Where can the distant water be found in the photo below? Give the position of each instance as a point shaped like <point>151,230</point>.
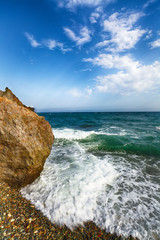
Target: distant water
<point>103,167</point>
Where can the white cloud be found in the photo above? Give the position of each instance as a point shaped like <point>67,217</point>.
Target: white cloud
<point>149,34</point>
<point>148,3</point>
<point>86,69</point>
<point>51,44</point>
<point>75,93</point>
<point>122,34</point>
<point>131,76</point>
<point>75,3</point>
<point>113,61</point>
<point>32,40</point>
<point>84,36</point>
<point>89,91</point>
<point>63,49</point>
<point>71,34</point>
<point>94,16</point>
<point>155,44</point>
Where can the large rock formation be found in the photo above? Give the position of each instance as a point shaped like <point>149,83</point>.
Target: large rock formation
<point>25,142</point>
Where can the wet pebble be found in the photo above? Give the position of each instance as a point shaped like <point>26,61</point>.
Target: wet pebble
<point>20,220</point>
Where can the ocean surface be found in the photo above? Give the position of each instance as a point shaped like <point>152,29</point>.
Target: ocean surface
<point>103,167</point>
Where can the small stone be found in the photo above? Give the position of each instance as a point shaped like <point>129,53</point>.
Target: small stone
<point>30,220</point>
<point>9,215</point>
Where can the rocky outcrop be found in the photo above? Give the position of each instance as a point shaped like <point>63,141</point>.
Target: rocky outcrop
<point>25,142</point>
<point>9,95</point>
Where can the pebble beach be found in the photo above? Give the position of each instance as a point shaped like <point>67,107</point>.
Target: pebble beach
<point>20,220</point>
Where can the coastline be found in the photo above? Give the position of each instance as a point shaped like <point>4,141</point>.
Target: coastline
<point>19,219</point>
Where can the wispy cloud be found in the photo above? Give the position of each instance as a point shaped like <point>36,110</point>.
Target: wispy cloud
<point>82,38</point>
<point>62,48</point>
<point>155,43</point>
<point>75,93</point>
<point>148,3</point>
<point>51,44</point>
<point>149,34</point>
<point>122,34</point>
<point>89,91</point>
<point>71,4</point>
<point>131,76</point>
<point>86,69</point>
<point>32,40</point>
<point>96,14</point>
<point>109,61</point>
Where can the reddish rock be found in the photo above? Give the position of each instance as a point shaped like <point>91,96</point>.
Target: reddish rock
<point>25,142</point>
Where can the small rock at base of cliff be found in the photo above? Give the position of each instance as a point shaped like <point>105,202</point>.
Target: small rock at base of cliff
<point>25,142</point>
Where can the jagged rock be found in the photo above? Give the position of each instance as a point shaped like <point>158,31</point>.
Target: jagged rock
<point>9,95</point>
<point>25,142</point>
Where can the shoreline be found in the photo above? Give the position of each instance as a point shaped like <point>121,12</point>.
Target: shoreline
<point>19,219</point>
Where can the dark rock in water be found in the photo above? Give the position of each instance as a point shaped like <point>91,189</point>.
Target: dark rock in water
<point>86,126</point>
<point>9,95</point>
<point>25,141</point>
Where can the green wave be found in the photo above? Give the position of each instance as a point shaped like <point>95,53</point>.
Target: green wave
<point>115,143</point>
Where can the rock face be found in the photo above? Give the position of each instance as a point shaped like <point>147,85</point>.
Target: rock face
<point>25,142</point>
<point>9,95</point>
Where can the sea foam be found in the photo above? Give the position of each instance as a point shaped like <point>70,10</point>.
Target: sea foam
<point>117,193</point>
<point>68,189</point>
<point>74,134</point>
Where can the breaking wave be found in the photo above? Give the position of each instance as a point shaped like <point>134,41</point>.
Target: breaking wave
<point>85,178</point>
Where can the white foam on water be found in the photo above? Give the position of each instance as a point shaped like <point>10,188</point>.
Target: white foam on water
<point>74,134</point>
<point>158,128</point>
<point>76,186</point>
<point>67,190</point>
<point>71,134</point>
<point>132,206</point>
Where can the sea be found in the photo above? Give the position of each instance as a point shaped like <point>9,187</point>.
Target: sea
<point>103,167</point>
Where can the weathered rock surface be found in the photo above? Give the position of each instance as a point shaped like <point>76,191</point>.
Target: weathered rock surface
<point>25,142</point>
<point>9,95</point>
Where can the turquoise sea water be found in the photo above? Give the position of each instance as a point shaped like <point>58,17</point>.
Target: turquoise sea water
<point>103,167</point>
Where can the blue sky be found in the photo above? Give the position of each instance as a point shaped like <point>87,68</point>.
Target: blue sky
<point>81,55</point>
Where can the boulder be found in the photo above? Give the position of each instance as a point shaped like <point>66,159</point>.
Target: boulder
<point>25,142</point>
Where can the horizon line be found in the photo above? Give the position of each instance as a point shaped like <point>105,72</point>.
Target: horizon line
<point>98,111</point>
